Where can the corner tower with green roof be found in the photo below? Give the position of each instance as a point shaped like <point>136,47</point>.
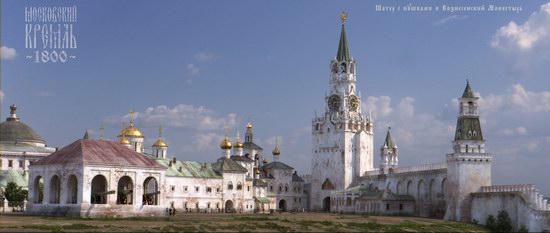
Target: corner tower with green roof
<point>388,155</point>
<point>468,167</point>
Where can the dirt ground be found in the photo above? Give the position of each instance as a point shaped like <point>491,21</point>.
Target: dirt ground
<point>223,222</point>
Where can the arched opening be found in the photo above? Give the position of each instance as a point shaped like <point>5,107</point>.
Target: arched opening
<point>282,205</point>
<point>99,190</point>
<point>72,188</point>
<point>229,206</point>
<point>409,186</point>
<point>443,187</point>
<point>432,190</point>
<point>230,186</point>
<point>348,201</point>
<point>421,190</point>
<point>399,188</point>
<point>55,189</point>
<point>38,189</point>
<point>326,204</point>
<point>125,191</point>
<point>150,191</point>
<point>239,186</point>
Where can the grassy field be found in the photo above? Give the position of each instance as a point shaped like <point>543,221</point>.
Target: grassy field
<point>285,222</point>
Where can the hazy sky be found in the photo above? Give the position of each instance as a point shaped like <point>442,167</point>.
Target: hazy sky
<point>195,67</point>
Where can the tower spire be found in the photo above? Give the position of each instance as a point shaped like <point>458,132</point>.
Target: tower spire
<point>468,90</point>
<point>343,52</point>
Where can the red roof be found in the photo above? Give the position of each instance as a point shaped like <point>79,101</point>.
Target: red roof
<point>98,152</point>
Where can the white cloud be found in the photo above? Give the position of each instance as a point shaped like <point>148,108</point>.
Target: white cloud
<point>204,56</point>
<point>517,99</point>
<point>192,69</point>
<point>205,141</point>
<point>535,31</point>
<point>378,106</point>
<point>1,96</point>
<point>7,53</point>
<point>450,19</point>
<point>187,116</point>
<point>526,44</point>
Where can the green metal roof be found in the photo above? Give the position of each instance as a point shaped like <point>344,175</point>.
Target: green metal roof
<point>188,169</point>
<point>15,130</point>
<point>385,195</point>
<point>13,175</point>
<point>357,189</point>
<point>262,199</point>
<point>343,52</point>
<point>468,91</point>
<point>389,141</point>
<point>468,128</point>
<point>227,165</point>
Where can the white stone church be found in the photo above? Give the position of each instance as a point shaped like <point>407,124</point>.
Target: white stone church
<point>344,178</point>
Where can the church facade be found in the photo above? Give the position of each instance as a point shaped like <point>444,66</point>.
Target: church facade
<point>344,179</point>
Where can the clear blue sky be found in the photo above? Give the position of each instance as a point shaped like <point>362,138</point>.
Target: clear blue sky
<point>198,66</point>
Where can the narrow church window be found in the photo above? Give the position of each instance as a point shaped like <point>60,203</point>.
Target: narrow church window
<point>239,186</point>
<point>209,190</point>
<point>400,206</point>
<point>218,188</point>
<point>10,163</point>
<point>286,188</point>
<point>185,189</point>
<point>197,189</point>
<point>387,206</point>
<point>21,163</point>
<point>172,188</point>
<point>230,185</point>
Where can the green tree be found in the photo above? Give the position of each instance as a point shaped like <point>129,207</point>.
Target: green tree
<point>504,223</point>
<point>491,223</point>
<point>15,195</point>
<point>523,229</point>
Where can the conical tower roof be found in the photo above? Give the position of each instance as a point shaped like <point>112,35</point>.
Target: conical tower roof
<point>343,51</point>
<point>389,141</point>
<point>468,91</point>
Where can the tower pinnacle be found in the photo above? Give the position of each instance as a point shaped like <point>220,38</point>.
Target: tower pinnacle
<point>343,52</point>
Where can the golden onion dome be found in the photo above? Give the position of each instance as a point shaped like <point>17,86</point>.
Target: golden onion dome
<point>238,143</point>
<point>225,144</point>
<point>257,170</point>
<point>160,143</point>
<point>123,141</point>
<point>131,131</point>
<point>265,161</point>
<point>249,125</point>
<point>276,151</point>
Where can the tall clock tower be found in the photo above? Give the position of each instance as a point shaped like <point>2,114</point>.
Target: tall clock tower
<point>342,144</point>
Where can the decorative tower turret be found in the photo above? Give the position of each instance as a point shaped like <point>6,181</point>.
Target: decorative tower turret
<point>225,145</point>
<point>468,167</point>
<point>160,147</point>
<point>388,155</point>
<point>250,148</point>
<point>342,145</point>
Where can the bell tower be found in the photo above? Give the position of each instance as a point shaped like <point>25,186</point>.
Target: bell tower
<point>468,167</point>
<point>342,145</point>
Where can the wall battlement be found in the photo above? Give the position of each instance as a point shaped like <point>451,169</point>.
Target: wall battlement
<point>528,190</point>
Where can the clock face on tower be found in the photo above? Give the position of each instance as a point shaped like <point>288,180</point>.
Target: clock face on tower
<point>334,102</point>
<point>353,103</point>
